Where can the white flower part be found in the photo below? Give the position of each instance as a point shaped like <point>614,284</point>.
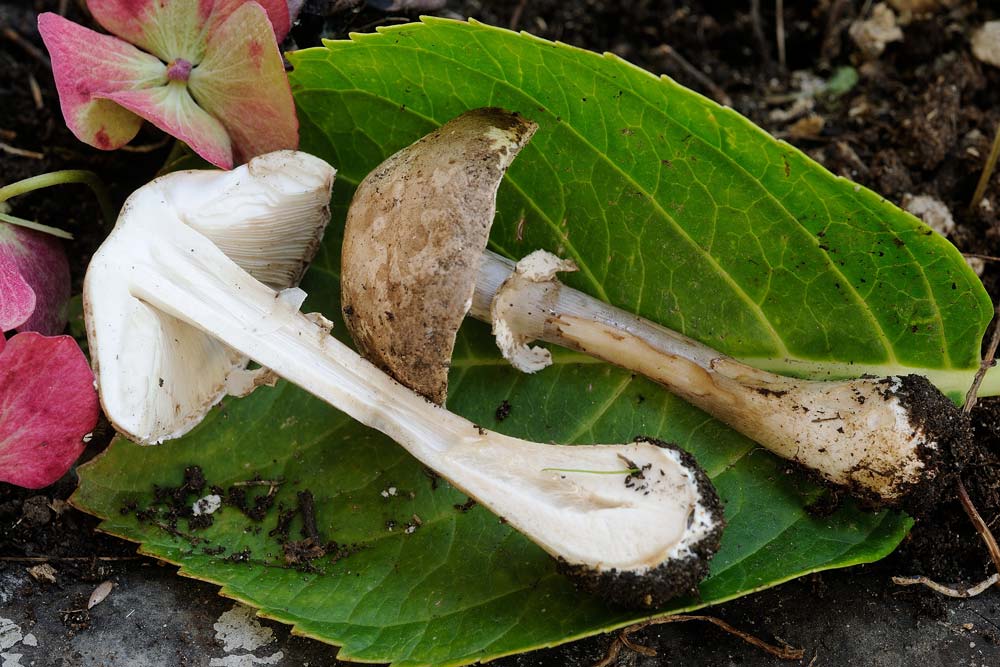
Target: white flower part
<point>538,267</point>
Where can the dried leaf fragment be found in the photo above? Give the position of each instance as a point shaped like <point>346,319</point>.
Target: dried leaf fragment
<point>102,591</point>
<point>43,573</point>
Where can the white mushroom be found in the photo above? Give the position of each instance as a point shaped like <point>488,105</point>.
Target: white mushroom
<point>415,244</point>
<point>176,301</point>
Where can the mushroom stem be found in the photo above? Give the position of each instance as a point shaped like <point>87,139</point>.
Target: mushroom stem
<point>642,532</point>
<point>527,483</point>
<point>879,437</point>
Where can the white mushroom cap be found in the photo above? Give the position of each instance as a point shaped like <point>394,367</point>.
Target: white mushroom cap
<point>157,375</point>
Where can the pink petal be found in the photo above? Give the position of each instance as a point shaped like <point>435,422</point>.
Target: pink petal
<point>277,15</point>
<point>175,28</point>
<point>17,299</point>
<point>242,82</point>
<point>85,64</point>
<point>172,110</point>
<point>47,405</point>
<point>34,281</point>
<point>169,29</point>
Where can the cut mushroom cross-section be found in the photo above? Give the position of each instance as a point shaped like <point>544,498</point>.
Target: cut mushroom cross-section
<point>636,522</point>
<point>886,440</point>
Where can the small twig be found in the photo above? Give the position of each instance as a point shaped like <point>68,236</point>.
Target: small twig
<point>758,31</point>
<point>718,93</point>
<point>980,525</point>
<point>515,17</point>
<point>779,30</point>
<point>36,92</point>
<point>387,20</point>
<point>991,351</point>
<point>952,592</point>
<point>20,152</point>
<point>830,45</point>
<point>7,134</point>
<point>148,148</point>
<point>984,178</point>
<point>988,258</point>
<point>12,35</point>
<point>638,648</point>
<point>624,639</point>
<point>259,482</point>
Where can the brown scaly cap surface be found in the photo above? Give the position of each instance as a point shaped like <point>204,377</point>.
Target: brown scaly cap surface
<point>415,232</point>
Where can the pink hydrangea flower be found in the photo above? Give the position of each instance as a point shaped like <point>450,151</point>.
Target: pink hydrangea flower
<point>34,281</point>
<point>205,71</point>
<point>48,405</point>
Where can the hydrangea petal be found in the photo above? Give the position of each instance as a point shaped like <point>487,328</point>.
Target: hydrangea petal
<point>17,299</point>
<point>242,81</point>
<point>277,14</point>
<point>168,29</point>
<point>85,63</point>
<point>172,110</point>
<point>175,28</point>
<point>34,281</point>
<point>48,404</point>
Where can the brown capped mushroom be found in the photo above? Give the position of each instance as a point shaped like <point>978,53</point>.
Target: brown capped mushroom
<point>414,263</point>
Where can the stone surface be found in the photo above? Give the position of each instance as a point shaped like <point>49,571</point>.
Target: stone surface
<point>155,618</point>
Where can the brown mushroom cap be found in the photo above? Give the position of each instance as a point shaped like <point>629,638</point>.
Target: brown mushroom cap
<point>415,233</point>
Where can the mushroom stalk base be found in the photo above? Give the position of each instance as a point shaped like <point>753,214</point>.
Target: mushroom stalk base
<point>880,438</point>
<point>631,508</point>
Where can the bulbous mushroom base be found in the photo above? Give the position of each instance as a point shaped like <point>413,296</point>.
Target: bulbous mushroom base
<point>676,577</point>
<point>948,444</point>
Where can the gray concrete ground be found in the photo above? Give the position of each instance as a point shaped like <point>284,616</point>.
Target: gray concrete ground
<point>154,618</point>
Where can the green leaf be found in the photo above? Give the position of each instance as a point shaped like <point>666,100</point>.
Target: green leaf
<point>673,207</point>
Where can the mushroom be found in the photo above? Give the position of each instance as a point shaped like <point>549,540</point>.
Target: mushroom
<point>194,280</point>
<point>414,262</point>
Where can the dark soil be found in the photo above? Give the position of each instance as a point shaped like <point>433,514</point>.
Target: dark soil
<point>919,121</point>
